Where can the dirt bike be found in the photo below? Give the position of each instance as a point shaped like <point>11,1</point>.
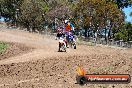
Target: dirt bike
<point>62,45</point>
<point>73,43</point>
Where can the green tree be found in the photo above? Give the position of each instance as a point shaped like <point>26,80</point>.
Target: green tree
<point>8,8</point>
<point>125,33</point>
<point>97,13</point>
<point>32,13</point>
<point>122,3</point>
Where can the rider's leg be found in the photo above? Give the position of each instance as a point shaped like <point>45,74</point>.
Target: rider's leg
<point>65,44</point>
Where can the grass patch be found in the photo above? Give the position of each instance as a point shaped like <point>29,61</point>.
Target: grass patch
<point>3,47</point>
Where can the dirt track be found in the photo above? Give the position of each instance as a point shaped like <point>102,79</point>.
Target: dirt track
<point>44,67</point>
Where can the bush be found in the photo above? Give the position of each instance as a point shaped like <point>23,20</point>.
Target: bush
<point>123,35</point>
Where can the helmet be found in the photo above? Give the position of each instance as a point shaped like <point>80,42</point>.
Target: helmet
<point>66,21</point>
